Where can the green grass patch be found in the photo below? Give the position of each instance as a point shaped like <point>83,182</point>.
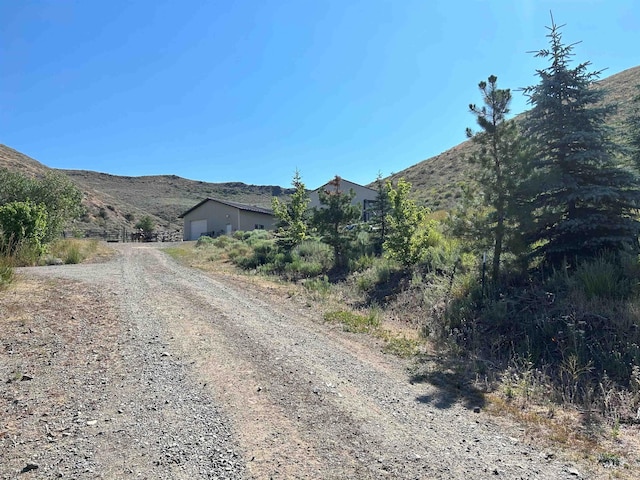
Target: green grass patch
<point>354,322</point>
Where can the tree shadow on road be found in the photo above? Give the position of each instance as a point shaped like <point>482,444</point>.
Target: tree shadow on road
<point>453,382</point>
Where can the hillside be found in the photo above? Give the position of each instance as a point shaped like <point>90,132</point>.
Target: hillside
<point>436,181</point>
<point>114,202</point>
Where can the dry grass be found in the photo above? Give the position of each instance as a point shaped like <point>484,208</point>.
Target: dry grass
<point>74,250</point>
<point>612,451</point>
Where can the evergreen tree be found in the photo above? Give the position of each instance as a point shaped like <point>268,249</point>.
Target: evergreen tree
<point>633,133</point>
<point>335,214</point>
<point>405,240</point>
<point>578,203</point>
<point>293,225</point>
<point>378,221</point>
<point>499,155</point>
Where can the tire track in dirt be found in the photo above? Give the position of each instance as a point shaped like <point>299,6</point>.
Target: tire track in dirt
<point>303,401</point>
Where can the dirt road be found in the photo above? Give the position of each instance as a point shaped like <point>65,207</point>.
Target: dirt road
<point>161,371</point>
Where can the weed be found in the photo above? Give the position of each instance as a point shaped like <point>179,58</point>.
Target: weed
<point>609,459</point>
<point>6,272</point>
<point>354,322</point>
<point>319,287</point>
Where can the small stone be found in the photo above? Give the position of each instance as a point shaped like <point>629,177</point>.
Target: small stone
<point>574,472</point>
<point>26,378</point>
<point>476,409</point>
<point>92,422</point>
<point>29,467</point>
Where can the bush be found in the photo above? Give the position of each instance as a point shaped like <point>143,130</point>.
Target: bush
<point>320,286</point>
<point>23,225</point>
<point>314,251</point>
<point>71,251</point>
<point>601,278</point>
<point>204,241</point>
<point>264,252</point>
<point>303,269</point>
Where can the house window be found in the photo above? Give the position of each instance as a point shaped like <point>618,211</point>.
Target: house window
<point>258,227</point>
<point>367,210</point>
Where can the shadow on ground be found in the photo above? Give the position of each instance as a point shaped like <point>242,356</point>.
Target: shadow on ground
<point>452,380</point>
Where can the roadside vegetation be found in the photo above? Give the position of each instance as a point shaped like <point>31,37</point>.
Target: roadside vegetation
<point>33,212</point>
<point>526,293</point>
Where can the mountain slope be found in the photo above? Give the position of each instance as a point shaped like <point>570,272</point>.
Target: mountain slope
<point>436,181</point>
<point>114,202</point>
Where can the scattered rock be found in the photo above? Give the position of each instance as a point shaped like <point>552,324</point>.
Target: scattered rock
<point>476,409</point>
<point>92,422</point>
<point>29,467</point>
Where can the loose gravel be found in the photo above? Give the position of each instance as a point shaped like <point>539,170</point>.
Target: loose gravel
<point>199,376</point>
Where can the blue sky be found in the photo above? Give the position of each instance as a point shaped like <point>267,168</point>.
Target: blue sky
<point>250,90</point>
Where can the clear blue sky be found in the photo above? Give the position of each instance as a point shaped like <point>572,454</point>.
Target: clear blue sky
<point>250,90</point>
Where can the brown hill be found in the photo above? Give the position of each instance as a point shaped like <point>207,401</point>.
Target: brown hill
<point>114,202</point>
<point>15,161</point>
<point>436,181</point>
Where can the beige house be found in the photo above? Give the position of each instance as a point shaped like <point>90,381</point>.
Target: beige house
<point>217,217</point>
<point>364,196</point>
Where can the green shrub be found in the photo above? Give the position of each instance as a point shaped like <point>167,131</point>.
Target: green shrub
<point>204,241</point>
<point>319,286</point>
<point>298,268</point>
<point>256,237</point>
<point>361,263</point>
<point>601,278</point>
<point>23,226</point>
<point>223,241</point>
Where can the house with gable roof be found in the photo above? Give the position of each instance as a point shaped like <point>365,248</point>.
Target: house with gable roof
<point>215,217</point>
<point>364,197</point>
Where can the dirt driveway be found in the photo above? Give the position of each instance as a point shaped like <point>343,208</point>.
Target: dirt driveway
<point>140,367</point>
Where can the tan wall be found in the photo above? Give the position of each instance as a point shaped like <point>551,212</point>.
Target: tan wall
<point>362,193</point>
<point>218,215</point>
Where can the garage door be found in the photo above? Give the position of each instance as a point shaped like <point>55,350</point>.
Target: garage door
<point>198,228</point>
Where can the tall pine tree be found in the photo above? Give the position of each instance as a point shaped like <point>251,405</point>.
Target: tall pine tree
<point>578,201</point>
<point>499,156</point>
<point>293,222</point>
<point>378,220</point>
<point>333,218</point>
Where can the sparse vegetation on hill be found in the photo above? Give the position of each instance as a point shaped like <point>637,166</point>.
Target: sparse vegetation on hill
<point>438,181</point>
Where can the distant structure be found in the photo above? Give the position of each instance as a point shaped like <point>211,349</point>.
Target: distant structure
<point>214,217</point>
<point>364,196</point>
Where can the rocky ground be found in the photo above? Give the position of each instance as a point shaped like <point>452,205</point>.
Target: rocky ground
<point>140,367</point>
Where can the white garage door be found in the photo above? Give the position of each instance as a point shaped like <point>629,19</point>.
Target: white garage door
<point>198,228</point>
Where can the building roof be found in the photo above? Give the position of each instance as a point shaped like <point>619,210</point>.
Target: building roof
<point>346,181</point>
<point>239,206</point>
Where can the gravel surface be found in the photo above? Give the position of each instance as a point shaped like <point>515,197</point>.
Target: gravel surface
<point>161,371</point>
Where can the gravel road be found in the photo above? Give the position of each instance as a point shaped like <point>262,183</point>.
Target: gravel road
<point>178,374</point>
